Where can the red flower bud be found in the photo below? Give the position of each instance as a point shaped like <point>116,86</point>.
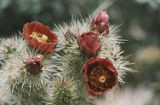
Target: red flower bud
<point>100,23</point>
<point>40,36</point>
<point>34,64</point>
<point>89,43</point>
<point>100,76</point>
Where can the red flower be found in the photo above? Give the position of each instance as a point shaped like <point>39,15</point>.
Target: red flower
<point>100,23</point>
<point>89,43</point>
<point>34,64</point>
<point>40,36</point>
<point>100,76</point>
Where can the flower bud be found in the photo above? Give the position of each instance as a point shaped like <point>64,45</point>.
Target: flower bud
<point>100,23</point>
<point>34,64</point>
<point>89,43</point>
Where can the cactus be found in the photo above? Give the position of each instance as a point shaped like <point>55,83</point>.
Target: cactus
<point>63,91</point>
<point>72,65</point>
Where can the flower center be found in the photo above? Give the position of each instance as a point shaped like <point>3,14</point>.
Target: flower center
<point>98,78</point>
<point>102,79</point>
<point>39,36</point>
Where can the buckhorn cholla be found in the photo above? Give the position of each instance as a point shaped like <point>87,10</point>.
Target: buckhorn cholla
<point>71,66</point>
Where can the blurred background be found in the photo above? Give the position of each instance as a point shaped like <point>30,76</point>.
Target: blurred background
<point>139,20</point>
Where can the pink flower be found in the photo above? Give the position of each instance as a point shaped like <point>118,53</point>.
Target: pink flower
<point>100,23</point>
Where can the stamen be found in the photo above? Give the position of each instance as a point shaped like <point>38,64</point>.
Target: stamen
<point>40,37</point>
<point>97,78</point>
<point>102,79</point>
<point>44,38</point>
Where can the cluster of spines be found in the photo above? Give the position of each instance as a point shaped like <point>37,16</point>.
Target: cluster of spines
<point>9,47</point>
<point>64,91</point>
<point>74,60</point>
<point>27,88</point>
<point>112,50</point>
